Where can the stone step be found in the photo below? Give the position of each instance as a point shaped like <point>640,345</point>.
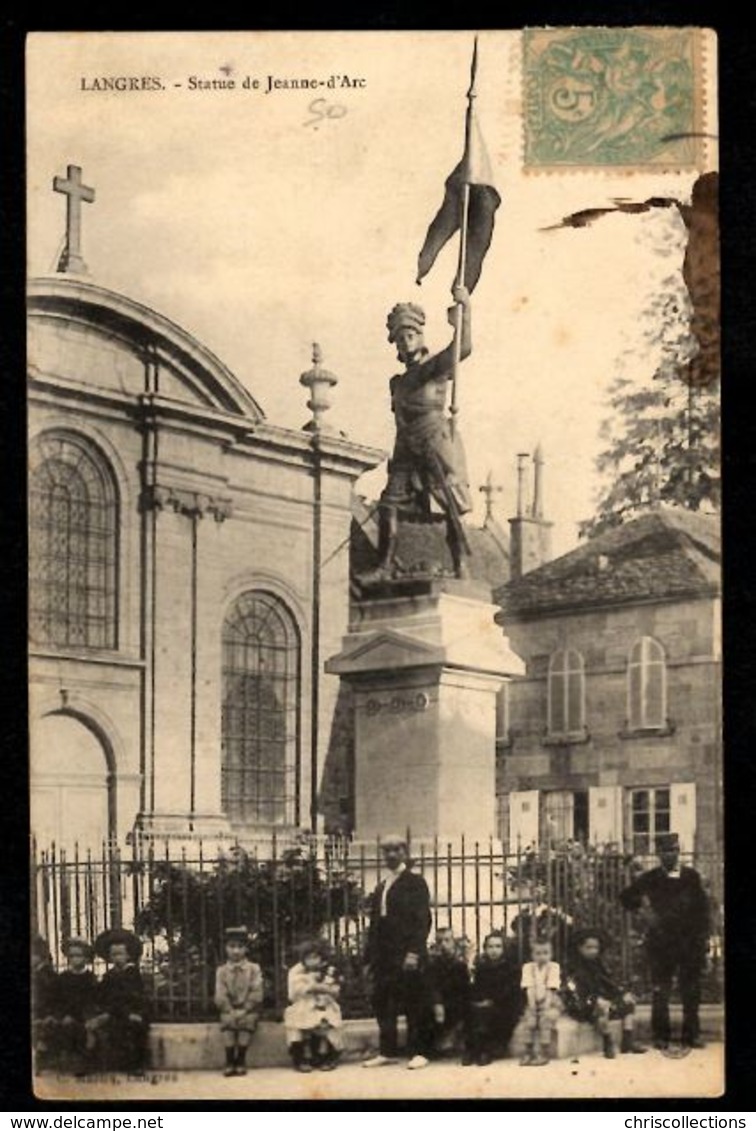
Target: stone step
<point>196,1046</point>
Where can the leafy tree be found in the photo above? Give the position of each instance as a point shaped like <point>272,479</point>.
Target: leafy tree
<point>662,438</point>
<point>663,448</point>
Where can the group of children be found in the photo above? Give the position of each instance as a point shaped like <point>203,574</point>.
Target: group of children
<point>478,1008</point>
<point>482,1008</point>
<point>312,1019</point>
<point>82,1024</point>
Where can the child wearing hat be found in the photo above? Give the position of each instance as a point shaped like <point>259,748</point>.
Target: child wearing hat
<point>122,1022</point>
<point>591,993</point>
<point>76,1007</point>
<point>313,1019</point>
<point>238,997</point>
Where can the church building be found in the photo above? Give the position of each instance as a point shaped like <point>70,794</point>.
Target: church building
<point>189,575</point>
<point>193,576</point>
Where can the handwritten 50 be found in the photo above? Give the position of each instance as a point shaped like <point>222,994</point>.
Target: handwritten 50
<point>321,111</point>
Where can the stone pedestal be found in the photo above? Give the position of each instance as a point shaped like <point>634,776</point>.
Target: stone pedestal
<point>424,662</point>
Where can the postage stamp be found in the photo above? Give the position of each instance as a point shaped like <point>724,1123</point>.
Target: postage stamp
<point>619,97</point>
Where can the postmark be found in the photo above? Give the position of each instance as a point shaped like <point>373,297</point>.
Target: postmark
<point>624,98</point>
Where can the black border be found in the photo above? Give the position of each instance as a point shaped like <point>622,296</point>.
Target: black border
<point>737,97</point>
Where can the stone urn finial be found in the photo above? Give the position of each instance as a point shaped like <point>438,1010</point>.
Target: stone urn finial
<point>319,381</point>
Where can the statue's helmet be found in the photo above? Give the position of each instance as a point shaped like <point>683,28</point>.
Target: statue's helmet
<point>405,314</point>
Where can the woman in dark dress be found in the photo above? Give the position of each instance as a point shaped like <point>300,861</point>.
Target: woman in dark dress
<point>122,1023</point>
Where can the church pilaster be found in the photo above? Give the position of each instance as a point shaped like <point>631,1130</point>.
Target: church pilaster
<point>183,789</point>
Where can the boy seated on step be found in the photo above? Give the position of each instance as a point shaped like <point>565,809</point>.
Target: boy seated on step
<point>449,986</point>
<point>313,1019</point>
<point>541,981</point>
<point>76,1007</point>
<point>495,1002</point>
<point>592,995</point>
<point>43,987</point>
<point>238,998</point>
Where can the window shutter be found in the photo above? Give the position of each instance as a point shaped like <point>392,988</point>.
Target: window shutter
<point>605,814</point>
<point>682,817</point>
<point>523,819</point>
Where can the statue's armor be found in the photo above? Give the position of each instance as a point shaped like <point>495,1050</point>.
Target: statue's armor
<point>425,450</point>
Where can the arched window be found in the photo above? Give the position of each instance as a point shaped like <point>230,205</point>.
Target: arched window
<point>73,543</point>
<point>566,693</point>
<point>646,685</point>
<point>260,724</point>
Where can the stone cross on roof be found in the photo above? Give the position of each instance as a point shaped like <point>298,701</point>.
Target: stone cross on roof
<point>489,490</point>
<point>75,192</point>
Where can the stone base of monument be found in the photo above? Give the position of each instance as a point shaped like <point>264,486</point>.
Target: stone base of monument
<point>425,660</point>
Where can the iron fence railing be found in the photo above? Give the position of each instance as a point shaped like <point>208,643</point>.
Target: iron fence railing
<point>180,897</point>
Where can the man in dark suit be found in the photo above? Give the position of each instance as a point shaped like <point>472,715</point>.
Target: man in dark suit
<point>672,902</point>
<point>396,955</point>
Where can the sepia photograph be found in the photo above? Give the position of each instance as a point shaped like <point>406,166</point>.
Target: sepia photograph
<point>373,405</point>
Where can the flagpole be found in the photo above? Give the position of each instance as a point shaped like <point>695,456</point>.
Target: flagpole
<point>462,259</point>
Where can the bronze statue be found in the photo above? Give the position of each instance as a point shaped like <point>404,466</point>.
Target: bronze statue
<point>427,468</point>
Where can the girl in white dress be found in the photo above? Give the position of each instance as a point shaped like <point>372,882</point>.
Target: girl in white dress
<point>313,1019</point>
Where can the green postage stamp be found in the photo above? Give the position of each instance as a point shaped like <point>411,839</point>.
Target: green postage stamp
<point>619,97</point>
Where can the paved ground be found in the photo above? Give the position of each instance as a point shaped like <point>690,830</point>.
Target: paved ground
<point>701,1073</point>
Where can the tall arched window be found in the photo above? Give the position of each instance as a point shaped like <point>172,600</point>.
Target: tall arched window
<point>646,685</point>
<point>566,693</point>
<point>260,724</point>
<point>73,544</point>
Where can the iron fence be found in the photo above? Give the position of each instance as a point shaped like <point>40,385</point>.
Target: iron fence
<point>179,898</point>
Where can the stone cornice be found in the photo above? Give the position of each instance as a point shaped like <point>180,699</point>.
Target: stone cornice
<point>193,504</point>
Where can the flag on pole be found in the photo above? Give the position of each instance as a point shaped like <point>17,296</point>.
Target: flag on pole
<point>474,170</point>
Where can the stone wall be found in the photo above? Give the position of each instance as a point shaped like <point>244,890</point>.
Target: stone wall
<point>610,755</point>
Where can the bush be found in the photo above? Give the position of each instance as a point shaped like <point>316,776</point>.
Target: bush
<point>281,902</point>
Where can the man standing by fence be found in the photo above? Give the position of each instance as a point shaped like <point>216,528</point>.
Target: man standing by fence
<point>400,920</point>
<point>672,902</point>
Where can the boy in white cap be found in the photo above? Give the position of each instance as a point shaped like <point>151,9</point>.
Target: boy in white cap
<point>238,997</point>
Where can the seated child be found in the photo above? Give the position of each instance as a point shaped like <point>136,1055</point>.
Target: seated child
<point>43,988</point>
<point>541,979</point>
<point>591,994</point>
<point>494,1002</point>
<point>76,1007</point>
<point>449,986</point>
<point>313,1019</point>
<point>121,1024</point>
<point>238,997</point>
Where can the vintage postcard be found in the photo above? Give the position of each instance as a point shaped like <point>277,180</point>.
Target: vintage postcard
<point>374,577</point>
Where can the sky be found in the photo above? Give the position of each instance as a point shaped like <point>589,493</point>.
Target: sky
<point>261,225</point>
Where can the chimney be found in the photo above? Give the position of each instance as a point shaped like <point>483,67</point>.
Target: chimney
<point>538,482</point>
<point>530,533</point>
